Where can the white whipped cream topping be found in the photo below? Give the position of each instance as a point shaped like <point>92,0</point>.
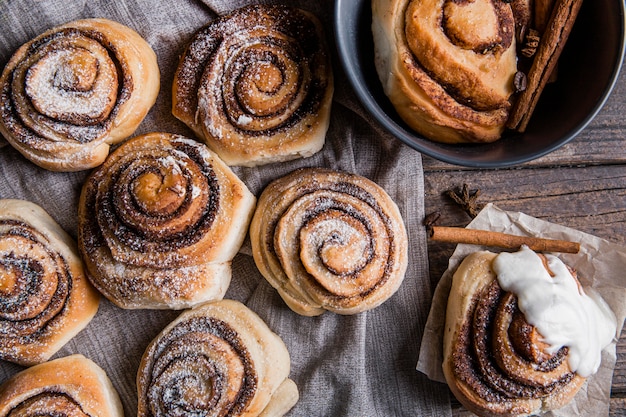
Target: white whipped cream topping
<point>560,310</point>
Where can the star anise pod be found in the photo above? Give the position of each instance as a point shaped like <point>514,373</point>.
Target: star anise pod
<point>467,199</point>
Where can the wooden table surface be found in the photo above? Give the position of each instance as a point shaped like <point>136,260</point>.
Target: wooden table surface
<point>582,185</point>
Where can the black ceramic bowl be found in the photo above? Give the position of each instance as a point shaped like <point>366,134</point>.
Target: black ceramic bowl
<point>588,69</point>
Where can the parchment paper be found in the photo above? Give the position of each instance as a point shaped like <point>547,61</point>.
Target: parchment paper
<point>600,264</point>
<point>362,365</point>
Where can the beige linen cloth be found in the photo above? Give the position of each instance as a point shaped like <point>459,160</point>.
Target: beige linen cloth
<point>361,365</point>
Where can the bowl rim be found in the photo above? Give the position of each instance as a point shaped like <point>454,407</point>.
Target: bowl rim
<point>350,65</point>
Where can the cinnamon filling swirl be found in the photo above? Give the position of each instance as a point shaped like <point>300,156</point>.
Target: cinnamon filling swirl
<point>66,87</point>
<point>70,386</point>
<point>460,18</point>
<point>45,298</point>
<point>498,361</point>
<point>153,204</point>
<point>329,241</point>
<point>217,359</point>
<point>516,324</point>
<point>49,404</point>
<point>265,86</point>
<point>35,283</point>
<point>255,83</point>
<point>162,218</point>
<point>201,365</point>
<point>467,46</point>
<point>76,89</point>
<point>344,251</point>
<point>158,205</point>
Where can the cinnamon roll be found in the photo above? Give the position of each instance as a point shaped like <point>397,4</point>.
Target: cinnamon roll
<point>45,298</point>
<point>160,221</point>
<point>329,240</point>
<point>73,91</point>
<point>257,85</point>
<point>219,358</point>
<point>521,334</point>
<point>70,386</point>
<point>448,66</point>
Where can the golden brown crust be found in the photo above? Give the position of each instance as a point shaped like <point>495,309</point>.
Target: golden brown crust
<point>160,221</point>
<point>329,240</point>
<point>45,297</point>
<point>73,385</point>
<point>447,66</point>
<point>502,380</point>
<point>257,85</point>
<point>75,90</point>
<point>224,354</point>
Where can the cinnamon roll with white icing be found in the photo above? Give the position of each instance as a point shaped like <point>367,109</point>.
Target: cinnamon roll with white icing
<point>219,358</point>
<point>160,222</point>
<point>72,92</point>
<point>45,297</point>
<point>257,84</point>
<point>521,334</point>
<point>70,386</point>
<point>329,240</point>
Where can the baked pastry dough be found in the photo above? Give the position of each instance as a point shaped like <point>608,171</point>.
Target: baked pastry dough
<point>257,85</point>
<point>45,298</point>
<point>70,386</point>
<point>219,358</point>
<point>160,221</point>
<point>447,66</point>
<point>495,362</point>
<point>329,240</point>
<point>73,91</point>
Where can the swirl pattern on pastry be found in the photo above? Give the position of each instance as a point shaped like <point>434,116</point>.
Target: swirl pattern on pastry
<point>160,221</point>
<point>448,65</point>
<point>75,90</point>
<point>329,240</point>
<point>219,358</point>
<point>70,386</point>
<point>45,298</point>
<point>257,85</point>
<point>494,361</point>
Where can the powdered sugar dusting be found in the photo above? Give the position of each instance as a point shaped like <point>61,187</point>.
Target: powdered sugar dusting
<point>172,163</point>
<point>244,120</point>
<point>67,84</point>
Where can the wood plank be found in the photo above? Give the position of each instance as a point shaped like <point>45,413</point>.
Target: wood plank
<point>619,375</point>
<point>618,407</point>
<point>594,146</point>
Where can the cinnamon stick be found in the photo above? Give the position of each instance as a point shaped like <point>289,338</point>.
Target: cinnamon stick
<point>503,240</point>
<point>543,11</point>
<point>550,48</point>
